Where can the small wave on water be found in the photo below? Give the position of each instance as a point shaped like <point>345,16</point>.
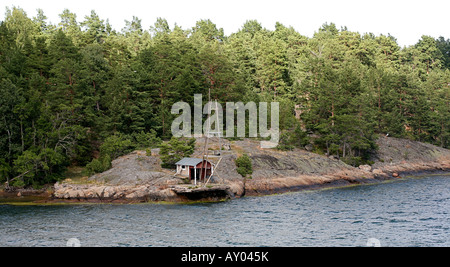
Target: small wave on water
<point>407,212</point>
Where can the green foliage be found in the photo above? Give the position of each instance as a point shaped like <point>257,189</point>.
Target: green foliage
<point>113,147</point>
<point>5,170</point>
<point>98,165</point>
<point>244,165</point>
<point>174,150</point>
<point>36,169</point>
<point>444,47</point>
<point>291,139</point>
<point>68,87</point>
<point>144,140</point>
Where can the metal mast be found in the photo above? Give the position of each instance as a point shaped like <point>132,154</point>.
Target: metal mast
<point>208,132</point>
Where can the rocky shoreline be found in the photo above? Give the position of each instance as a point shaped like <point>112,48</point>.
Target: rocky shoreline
<point>138,177</point>
<point>395,158</point>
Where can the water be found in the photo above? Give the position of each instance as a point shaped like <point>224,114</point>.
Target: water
<point>407,212</point>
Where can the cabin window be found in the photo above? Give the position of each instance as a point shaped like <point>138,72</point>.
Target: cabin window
<point>183,167</point>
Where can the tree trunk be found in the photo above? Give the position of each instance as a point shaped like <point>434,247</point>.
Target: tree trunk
<point>9,142</point>
<point>379,108</point>
<point>21,135</point>
<point>332,114</point>
<point>442,133</point>
<point>95,93</point>
<point>343,151</point>
<point>328,148</point>
<point>34,133</point>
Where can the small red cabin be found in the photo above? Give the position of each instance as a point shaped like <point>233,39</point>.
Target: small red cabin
<point>191,167</point>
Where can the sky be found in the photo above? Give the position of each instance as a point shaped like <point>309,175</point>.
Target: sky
<point>406,20</point>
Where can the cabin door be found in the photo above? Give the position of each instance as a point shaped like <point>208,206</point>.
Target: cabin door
<point>196,173</point>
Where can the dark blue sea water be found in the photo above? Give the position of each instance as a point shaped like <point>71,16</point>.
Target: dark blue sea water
<point>405,212</point>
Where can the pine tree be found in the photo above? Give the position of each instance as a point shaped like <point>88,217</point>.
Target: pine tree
<point>176,149</point>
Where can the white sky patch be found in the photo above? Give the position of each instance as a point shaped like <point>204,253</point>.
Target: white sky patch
<point>406,20</point>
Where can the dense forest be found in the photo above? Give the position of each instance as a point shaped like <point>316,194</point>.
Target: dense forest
<point>82,93</point>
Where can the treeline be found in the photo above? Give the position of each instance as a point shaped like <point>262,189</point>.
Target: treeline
<point>80,90</point>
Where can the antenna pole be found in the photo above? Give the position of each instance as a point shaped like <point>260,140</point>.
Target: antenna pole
<point>205,148</point>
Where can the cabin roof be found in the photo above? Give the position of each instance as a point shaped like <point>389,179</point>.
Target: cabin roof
<point>189,161</point>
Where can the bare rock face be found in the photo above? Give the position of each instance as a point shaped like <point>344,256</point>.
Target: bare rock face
<point>133,169</point>
<point>133,177</point>
<point>112,193</point>
<point>138,177</point>
<point>277,171</point>
<point>378,172</point>
<point>398,155</point>
<point>366,168</point>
